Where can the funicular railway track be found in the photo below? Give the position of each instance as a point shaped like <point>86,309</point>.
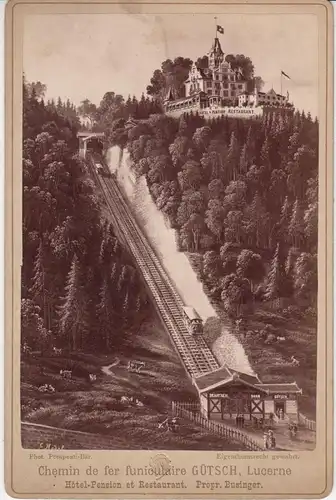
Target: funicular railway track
<point>193,350</point>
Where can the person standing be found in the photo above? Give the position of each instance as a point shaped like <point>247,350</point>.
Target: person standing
<point>265,441</point>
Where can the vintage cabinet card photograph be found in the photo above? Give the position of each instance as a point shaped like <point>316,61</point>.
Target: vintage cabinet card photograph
<point>168,238</point>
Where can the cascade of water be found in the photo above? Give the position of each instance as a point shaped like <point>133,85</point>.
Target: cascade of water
<point>162,238</point>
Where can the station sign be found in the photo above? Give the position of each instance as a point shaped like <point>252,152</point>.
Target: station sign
<point>280,396</point>
<point>218,395</point>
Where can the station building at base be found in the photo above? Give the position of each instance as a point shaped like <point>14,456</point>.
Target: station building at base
<point>226,393</point>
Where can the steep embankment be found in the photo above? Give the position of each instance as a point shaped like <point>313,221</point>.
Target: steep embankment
<point>226,347</point>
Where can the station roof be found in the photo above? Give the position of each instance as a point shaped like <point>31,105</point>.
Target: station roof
<point>291,388</point>
<point>223,376</point>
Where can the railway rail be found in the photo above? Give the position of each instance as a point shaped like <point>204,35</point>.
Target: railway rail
<point>193,351</point>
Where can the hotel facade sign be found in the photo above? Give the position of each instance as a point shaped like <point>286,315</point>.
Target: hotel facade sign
<point>231,111</point>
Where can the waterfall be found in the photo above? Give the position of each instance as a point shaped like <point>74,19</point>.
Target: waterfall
<point>161,236</point>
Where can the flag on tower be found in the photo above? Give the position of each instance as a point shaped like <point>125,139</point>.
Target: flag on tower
<point>220,29</point>
<point>284,74</point>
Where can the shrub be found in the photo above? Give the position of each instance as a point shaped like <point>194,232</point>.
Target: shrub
<point>267,331</point>
<point>311,312</point>
<point>271,338</point>
<point>293,312</point>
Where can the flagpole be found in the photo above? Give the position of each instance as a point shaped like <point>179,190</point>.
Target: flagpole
<point>281,83</point>
<point>215,27</point>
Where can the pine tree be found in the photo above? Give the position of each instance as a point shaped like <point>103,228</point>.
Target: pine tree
<point>105,312</point>
<point>250,146</point>
<point>122,278</point>
<point>59,105</point>
<point>126,307</point>
<point>311,225</point>
<point>296,226</point>
<point>138,304</point>
<point>289,269</point>
<point>40,290</point>
<point>73,317</point>
<point>285,216</point>
<point>244,161</point>
<point>265,154</point>
<point>276,279</point>
<point>233,158</point>
<point>257,222</point>
<point>305,277</point>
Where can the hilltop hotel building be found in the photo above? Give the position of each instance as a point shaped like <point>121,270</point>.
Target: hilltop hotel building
<point>219,89</point>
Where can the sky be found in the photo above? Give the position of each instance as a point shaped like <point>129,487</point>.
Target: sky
<point>82,56</point>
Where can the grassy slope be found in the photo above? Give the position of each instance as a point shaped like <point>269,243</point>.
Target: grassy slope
<point>96,408</point>
<point>271,362</point>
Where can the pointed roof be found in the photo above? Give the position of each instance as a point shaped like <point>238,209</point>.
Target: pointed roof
<point>216,54</point>
<point>223,376</point>
<point>271,92</point>
<point>216,47</point>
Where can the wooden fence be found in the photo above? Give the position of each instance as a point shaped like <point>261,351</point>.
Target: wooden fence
<point>214,427</point>
<point>192,406</point>
<point>309,424</point>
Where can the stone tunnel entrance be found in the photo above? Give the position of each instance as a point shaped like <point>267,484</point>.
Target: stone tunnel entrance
<point>90,141</point>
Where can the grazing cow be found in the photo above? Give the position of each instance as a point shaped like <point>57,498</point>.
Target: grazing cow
<point>170,424</point>
<point>92,377</point>
<point>66,373</point>
<point>281,339</point>
<point>46,388</point>
<point>56,351</point>
<point>26,349</point>
<point>135,366</point>
<point>125,399</point>
<point>294,361</point>
<point>139,403</point>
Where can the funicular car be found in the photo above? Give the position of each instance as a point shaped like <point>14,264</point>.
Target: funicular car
<point>192,320</point>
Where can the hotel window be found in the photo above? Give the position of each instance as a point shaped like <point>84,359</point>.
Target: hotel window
<point>217,77</point>
<point>209,84</point>
<point>240,86</point>
<point>226,85</point>
<point>226,93</point>
<point>209,92</point>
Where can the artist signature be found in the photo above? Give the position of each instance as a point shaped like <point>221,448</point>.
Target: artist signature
<point>50,446</point>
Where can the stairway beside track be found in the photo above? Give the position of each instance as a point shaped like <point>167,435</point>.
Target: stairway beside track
<point>193,351</point>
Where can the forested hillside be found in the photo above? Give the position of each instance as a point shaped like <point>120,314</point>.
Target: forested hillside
<point>242,194</point>
<point>79,287</point>
<point>243,198</point>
